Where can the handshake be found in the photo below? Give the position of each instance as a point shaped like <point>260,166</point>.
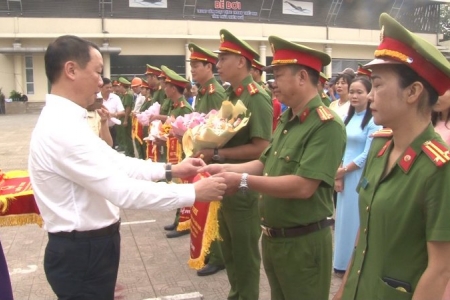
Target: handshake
<point>212,188</point>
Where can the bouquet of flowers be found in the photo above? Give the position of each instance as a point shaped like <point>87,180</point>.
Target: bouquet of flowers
<point>144,117</point>
<point>182,123</point>
<point>219,127</point>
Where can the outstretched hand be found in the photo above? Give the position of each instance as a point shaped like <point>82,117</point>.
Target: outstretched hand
<point>189,167</point>
<point>210,189</point>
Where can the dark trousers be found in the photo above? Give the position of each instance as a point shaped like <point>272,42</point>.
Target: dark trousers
<point>82,268</point>
<point>5,282</point>
<point>112,131</point>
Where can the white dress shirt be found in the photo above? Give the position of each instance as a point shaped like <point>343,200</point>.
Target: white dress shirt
<point>114,105</point>
<point>140,99</point>
<point>73,172</point>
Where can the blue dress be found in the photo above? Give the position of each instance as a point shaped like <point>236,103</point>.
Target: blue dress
<point>347,214</point>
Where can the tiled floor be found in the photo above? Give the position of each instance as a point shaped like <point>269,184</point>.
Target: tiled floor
<point>151,265</point>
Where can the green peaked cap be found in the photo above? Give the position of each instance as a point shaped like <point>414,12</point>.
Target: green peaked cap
<point>124,81</point>
<point>399,45</point>
<point>201,54</point>
<point>231,44</point>
<point>173,77</point>
<point>287,53</point>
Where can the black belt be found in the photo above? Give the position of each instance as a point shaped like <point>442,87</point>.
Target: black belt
<point>106,231</point>
<point>296,231</point>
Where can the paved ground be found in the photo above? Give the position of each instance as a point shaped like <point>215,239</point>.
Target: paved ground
<point>151,265</point>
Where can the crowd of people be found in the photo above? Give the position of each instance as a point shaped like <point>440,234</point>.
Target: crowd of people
<point>379,142</point>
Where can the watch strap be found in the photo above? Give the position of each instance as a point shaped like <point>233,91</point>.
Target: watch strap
<point>169,172</point>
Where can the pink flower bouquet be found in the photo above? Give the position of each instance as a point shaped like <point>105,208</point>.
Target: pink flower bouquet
<point>182,123</point>
<point>144,117</point>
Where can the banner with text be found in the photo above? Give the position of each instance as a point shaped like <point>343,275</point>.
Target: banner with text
<point>227,10</point>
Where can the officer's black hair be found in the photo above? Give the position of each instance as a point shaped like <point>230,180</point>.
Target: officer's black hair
<point>407,76</point>
<point>179,89</point>
<point>313,74</point>
<point>63,49</point>
<point>351,110</point>
<point>209,63</point>
<point>106,81</point>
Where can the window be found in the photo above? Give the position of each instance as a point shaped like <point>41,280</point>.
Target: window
<point>29,74</point>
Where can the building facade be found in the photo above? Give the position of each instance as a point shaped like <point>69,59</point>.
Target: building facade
<point>132,33</point>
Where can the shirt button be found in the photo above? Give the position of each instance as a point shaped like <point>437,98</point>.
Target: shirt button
<point>275,153</point>
<point>260,196</point>
<point>287,158</point>
<point>365,230</point>
<point>284,131</point>
<point>266,174</point>
<point>364,252</point>
<point>359,272</point>
<point>367,208</point>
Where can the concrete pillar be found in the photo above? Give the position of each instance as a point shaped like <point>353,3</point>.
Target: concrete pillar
<point>106,62</point>
<point>329,69</point>
<point>106,65</point>
<point>18,73</point>
<point>262,58</point>
<point>187,64</point>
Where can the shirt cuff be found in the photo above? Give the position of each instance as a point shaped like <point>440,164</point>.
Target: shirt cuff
<point>157,171</point>
<point>186,194</point>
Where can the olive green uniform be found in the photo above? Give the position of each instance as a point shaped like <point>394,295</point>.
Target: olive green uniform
<point>210,96</point>
<point>300,267</point>
<point>158,96</point>
<point>325,99</point>
<point>399,214</point>
<point>165,107</point>
<point>124,132</point>
<point>180,109</point>
<point>238,217</point>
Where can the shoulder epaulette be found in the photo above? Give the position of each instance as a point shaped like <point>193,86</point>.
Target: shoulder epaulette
<point>324,95</point>
<point>324,113</point>
<point>211,89</point>
<point>182,104</point>
<point>385,132</point>
<point>437,152</point>
<point>252,88</point>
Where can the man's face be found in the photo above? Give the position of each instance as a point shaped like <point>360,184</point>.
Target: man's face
<point>89,79</point>
<point>169,90</point>
<point>199,71</point>
<point>152,80</point>
<point>227,66</point>
<point>136,89</point>
<point>285,86</point>
<point>255,74</point>
<point>106,90</point>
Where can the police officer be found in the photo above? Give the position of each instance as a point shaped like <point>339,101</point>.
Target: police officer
<point>403,249</point>
<point>157,91</point>
<point>124,131</point>
<point>210,96</point>
<point>238,216</point>
<point>294,178</point>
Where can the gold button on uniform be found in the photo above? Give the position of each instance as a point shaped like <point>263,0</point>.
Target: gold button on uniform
<point>359,272</point>
<point>365,230</point>
<point>287,158</point>
<point>284,131</point>
<point>364,252</point>
<point>275,153</point>
<point>266,174</point>
<point>260,196</point>
<point>367,208</point>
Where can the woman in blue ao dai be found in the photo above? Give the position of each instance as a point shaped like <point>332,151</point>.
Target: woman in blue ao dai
<point>359,127</point>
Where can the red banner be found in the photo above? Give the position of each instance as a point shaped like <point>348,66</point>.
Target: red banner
<point>174,150</point>
<point>17,204</point>
<point>137,130</point>
<point>204,229</point>
<point>152,152</point>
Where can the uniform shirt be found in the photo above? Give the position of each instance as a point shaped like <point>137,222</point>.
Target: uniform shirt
<point>210,96</point>
<point>399,214</point>
<point>114,105</point>
<point>127,101</point>
<point>165,107</point>
<point>259,105</point>
<point>73,172</point>
<point>94,121</point>
<point>158,96</point>
<point>180,109</point>
<point>301,146</point>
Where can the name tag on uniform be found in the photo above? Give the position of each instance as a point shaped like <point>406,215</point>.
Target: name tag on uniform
<point>364,183</point>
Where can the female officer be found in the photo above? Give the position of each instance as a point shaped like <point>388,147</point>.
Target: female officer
<point>403,248</point>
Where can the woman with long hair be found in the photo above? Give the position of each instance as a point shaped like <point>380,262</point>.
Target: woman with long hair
<point>359,127</point>
<point>441,116</point>
<point>403,246</point>
<point>342,85</point>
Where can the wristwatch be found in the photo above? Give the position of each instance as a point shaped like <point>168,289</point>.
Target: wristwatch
<point>243,186</point>
<point>169,172</point>
<point>216,156</point>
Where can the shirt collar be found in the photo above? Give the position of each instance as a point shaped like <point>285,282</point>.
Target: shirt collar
<point>304,113</point>
<point>65,105</point>
<point>202,90</point>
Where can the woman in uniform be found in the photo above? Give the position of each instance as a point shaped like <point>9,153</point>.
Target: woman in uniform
<point>403,247</point>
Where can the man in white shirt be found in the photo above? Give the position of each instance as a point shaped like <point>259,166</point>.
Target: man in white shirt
<point>139,99</point>
<point>73,172</point>
<point>114,105</point>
